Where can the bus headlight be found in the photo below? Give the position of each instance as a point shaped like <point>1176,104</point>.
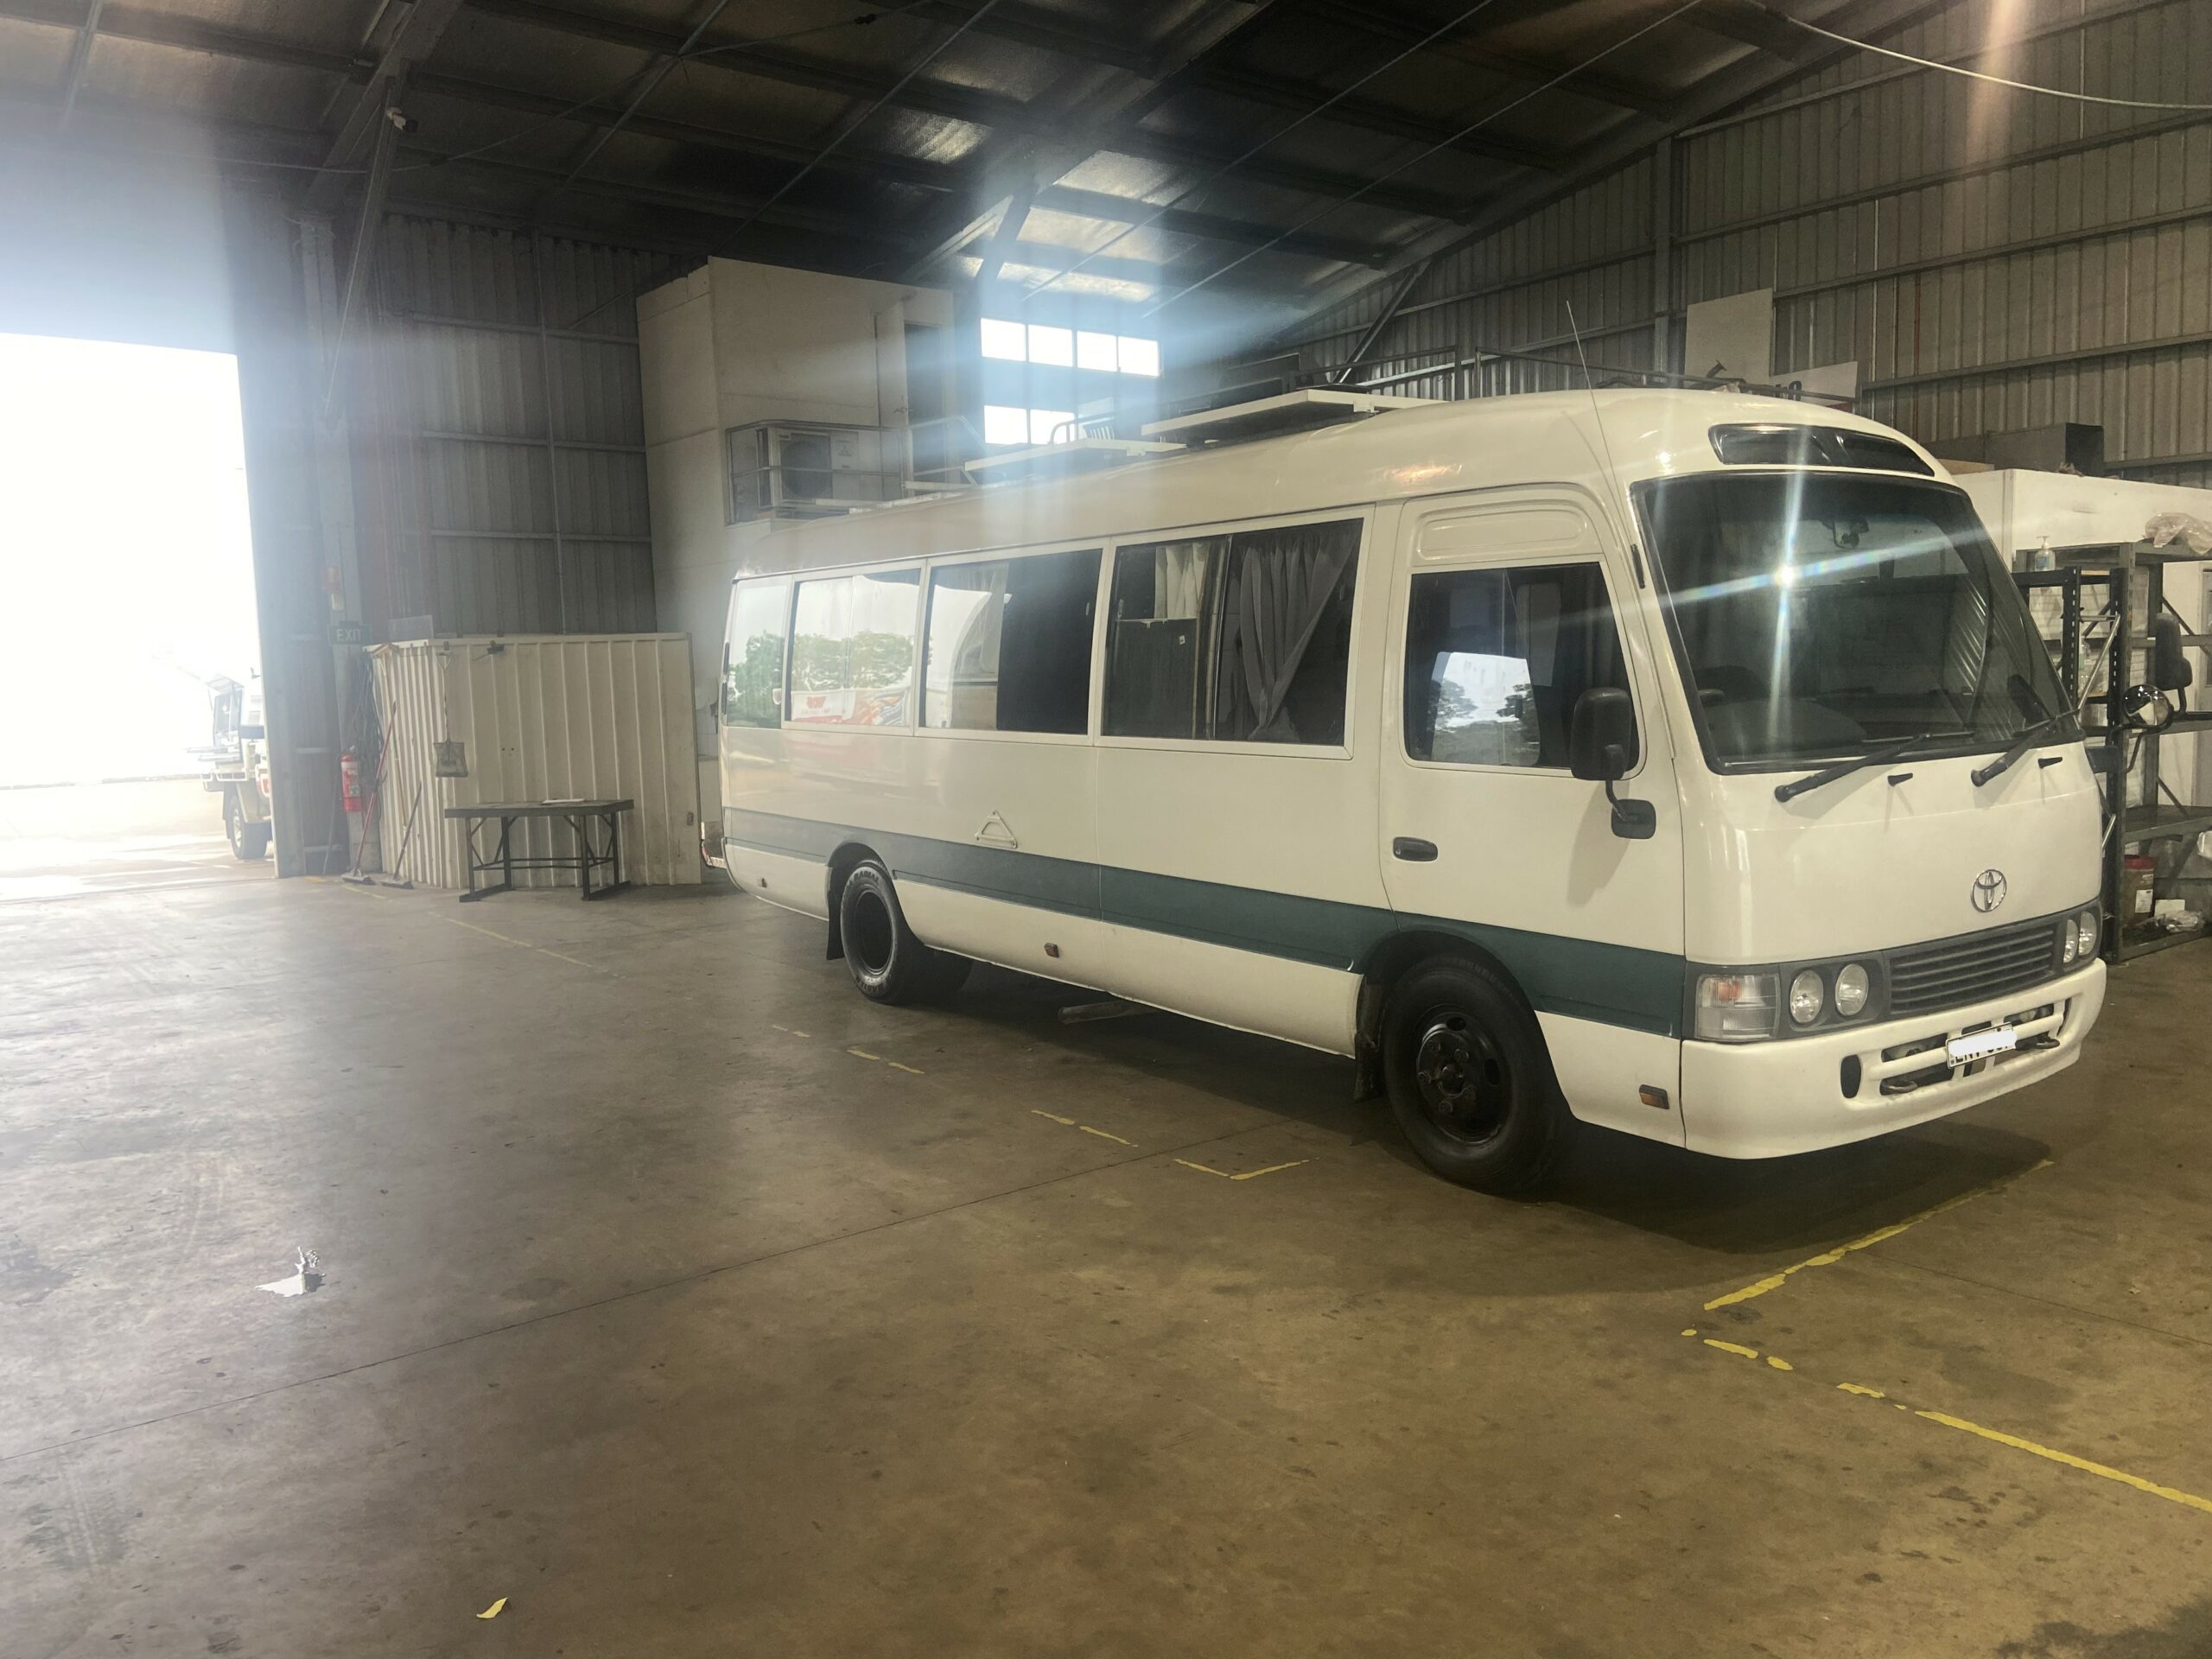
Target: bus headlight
<point>1735,1008</point>
<point>1851,986</point>
<point>2085,932</point>
<point>1807,997</point>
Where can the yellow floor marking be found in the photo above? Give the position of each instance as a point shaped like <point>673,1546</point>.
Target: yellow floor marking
<point>2052,1454</point>
<point>1249,1175</point>
<point>1055,1117</point>
<point>863,1054</point>
<point>2187,1500</point>
<point>796,1032</point>
<point>1103,1135</point>
<point>895,1066</point>
<point>1829,1258</point>
<point>772,1025</point>
<point>1691,1331</point>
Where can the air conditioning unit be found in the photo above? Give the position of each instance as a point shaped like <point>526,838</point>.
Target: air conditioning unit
<point>793,470</point>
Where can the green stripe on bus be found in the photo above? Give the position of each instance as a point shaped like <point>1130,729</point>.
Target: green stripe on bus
<point>1583,979</point>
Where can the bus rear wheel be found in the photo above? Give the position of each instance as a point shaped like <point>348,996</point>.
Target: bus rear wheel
<point>1469,1080</point>
<point>888,963</point>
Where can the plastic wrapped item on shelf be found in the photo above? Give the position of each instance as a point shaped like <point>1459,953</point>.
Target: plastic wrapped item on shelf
<point>2166,528</point>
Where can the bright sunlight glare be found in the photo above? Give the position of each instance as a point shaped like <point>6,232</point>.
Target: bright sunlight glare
<point>126,553</point>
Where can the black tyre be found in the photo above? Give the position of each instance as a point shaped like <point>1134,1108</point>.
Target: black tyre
<point>1470,1080</point>
<point>253,841</point>
<point>888,964</point>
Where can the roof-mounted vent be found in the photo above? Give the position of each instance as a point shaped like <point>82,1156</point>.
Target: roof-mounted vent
<point>1294,411</point>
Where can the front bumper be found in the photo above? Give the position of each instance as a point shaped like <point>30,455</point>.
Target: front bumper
<point>1767,1100</point>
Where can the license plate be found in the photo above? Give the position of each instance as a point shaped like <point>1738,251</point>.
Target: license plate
<point>1981,1045</point>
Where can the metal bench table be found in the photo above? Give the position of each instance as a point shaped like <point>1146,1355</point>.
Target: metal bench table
<point>579,816</point>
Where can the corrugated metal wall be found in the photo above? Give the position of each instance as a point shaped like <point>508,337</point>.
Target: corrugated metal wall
<point>543,718</point>
<point>497,435</point>
<point>1992,259</point>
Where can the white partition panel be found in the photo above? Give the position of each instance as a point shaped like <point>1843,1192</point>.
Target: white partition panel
<point>539,717</point>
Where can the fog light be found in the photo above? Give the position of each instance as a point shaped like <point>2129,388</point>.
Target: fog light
<point>1807,997</point>
<point>1735,1008</point>
<point>1851,990</point>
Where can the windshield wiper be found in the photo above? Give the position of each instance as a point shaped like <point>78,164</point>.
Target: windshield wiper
<point>2021,745</point>
<point>1881,754</point>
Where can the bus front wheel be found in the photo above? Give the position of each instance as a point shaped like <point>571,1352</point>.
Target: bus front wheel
<point>888,964</point>
<point>1469,1080</point>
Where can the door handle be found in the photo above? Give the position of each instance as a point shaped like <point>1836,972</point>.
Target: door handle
<point>1413,850</point>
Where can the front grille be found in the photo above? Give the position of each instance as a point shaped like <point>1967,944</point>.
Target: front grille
<point>1954,971</point>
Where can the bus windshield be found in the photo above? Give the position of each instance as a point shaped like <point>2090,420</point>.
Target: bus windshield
<point>1817,615</point>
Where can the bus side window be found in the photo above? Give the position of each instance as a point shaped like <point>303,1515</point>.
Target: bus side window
<point>752,655</point>
<point>1496,658</point>
<point>1162,591</point>
<point>1237,638</point>
<point>1007,646</point>
<point>852,660</point>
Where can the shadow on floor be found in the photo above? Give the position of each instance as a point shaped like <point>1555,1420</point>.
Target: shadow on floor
<point>1809,1201</point>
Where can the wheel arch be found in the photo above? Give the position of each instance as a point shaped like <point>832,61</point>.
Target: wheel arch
<point>1391,960</point>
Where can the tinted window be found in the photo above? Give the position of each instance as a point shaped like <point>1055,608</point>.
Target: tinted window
<point>1009,643</point>
<point>752,655</point>
<point>1496,658</point>
<point>853,650</point>
<point>1788,445</point>
<point>1243,638</point>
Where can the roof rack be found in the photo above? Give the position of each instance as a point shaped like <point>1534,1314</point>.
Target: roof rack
<point>1059,459</point>
<point>1292,412</point>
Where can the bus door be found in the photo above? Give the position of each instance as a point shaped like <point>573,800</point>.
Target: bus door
<point>1507,608</point>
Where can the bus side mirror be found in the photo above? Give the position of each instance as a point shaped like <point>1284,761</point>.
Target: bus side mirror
<point>1603,735</point>
<point>1598,743</point>
<point>2170,669</point>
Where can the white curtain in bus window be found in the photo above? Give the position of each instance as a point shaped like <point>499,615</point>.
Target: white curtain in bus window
<point>1286,634</point>
<point>753,654</point>
<point>1242,638</point>
<point>1009,644</point>
<point>1495,659</point>
<point>852,661</point>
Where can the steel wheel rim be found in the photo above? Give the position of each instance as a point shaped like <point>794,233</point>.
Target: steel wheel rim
<point>1464,1084</point>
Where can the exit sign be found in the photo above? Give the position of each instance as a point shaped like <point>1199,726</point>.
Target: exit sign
<point>348,634</point>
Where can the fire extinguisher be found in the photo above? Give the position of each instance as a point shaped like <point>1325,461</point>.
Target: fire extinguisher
<point>349,781</point>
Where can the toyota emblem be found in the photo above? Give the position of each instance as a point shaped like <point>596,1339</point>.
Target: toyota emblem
<point>1988,891</point>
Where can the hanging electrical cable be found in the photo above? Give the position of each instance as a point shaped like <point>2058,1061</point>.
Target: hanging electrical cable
<point>1982,75</point>
<point>1419,156</point>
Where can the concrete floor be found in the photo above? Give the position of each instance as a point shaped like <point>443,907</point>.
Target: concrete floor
<point>697,1307</point>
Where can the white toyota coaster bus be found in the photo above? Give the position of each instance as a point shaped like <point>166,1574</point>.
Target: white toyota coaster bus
<point>1683,763</point>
